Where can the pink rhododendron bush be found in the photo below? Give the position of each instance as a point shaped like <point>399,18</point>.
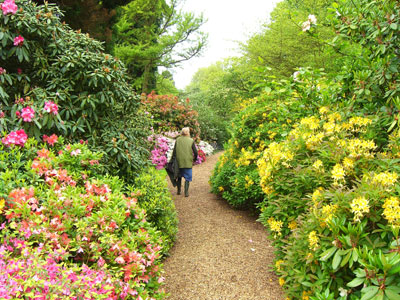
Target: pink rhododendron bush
<point>56,80</point>
<point>69,233</point>
<point>163,146</point>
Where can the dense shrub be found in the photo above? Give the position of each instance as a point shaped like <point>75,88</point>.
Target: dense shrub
<point>57,203</point>
<point>153,196</point>
<point>55,80</point>
<point>261,120</point>
<point>171,114</point>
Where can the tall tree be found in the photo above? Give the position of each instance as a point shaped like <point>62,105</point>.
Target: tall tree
<point>154,33</point>
<point>94,17</point>
<point>281,44</point>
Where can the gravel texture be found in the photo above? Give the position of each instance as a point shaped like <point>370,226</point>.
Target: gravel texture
<point>220,253</point>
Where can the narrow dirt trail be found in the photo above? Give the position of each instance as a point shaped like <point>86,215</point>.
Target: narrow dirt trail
<point>220,253</point>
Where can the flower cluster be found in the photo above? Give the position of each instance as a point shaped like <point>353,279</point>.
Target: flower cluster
<point>159,153</point>
<point>359,206</point>
<point>392,211</point>
<point>27,114</point>
<point>51,107</point>
<point>18,138</point>
<point>9,7</point>
<point>312,20</point>
<point>18,41</point>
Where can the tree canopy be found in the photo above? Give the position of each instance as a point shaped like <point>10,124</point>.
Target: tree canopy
<point>152,34</point>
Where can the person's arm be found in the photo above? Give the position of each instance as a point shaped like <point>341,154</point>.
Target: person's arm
<point>173,152</point>
<point>195,154</point>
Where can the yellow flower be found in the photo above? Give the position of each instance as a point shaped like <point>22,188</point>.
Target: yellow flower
<point>318,165</point>
<point>385,179</point>
<point>278,264</point>
<point>275,225</point>
<point>338,172</point>
<point>313,240</point>
<point>292,225</point>
<point>2,203</point>
<point>323,110</point>
<point>391,211</point>
<point>281,281</point>
<point>317,194</point>
<point>359,206</point>
<point>328,212</point>
<point>220,188</point>
<point>305,295</point>
<point>348,163</point>
<point>311,122</point>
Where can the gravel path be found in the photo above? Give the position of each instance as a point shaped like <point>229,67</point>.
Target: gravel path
<point>220,253</point>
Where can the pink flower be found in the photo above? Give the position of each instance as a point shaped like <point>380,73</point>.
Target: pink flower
<point>2,71</point>
<point>18,41</point>
<point>1,114</point>
<point>18,138</point>
<point>9,7</point>
<point>27,114</point>
<point>75,152</point>
<point>51,140</point>
<point>51,107</point>
<point>120,260</point>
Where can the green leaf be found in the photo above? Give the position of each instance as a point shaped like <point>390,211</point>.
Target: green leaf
<point>372,291</point>
<point>356,282</point>
<point>392,295</point>
<point>327,254</point>
<point>336,260</point>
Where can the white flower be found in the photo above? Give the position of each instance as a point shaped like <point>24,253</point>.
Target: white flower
<point>306,25</point>
<point>312,19</point>
<point>296,75</point>
<point>343,292</point>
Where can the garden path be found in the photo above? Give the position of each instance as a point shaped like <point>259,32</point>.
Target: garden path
<point>220,253</point>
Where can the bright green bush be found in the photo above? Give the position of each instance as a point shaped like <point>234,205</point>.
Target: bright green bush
<point>153,196</point>
<point>89,89</point>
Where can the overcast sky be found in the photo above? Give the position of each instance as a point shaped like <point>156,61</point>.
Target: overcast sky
<point>228,21</point>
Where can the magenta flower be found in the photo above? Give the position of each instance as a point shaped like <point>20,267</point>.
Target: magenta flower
<point>18,138</point>
<point>27,114</point>
<point>51,107</point>
<point>18,41</point>
<point>9,7</point>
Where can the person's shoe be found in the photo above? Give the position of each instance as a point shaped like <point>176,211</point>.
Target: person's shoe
<point>187,188</point>
<point>179,186</point>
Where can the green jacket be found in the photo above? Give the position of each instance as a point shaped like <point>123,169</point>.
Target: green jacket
<point>185,151</point>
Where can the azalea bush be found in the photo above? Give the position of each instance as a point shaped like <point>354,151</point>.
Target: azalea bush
<point>56,80</point>
<point>331,208</point>
<point>59,212</point>
<point>260,121</point>
<point>152,193</point>
<point>163,146</point>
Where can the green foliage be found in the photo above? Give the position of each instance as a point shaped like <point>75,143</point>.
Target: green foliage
<point>70,69</point>
<point>283,47</point>
<point>372,28</point>
<point>151,34</point>
<point>154,197</point>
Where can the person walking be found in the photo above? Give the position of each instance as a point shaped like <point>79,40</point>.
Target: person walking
<point>186,153</point>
